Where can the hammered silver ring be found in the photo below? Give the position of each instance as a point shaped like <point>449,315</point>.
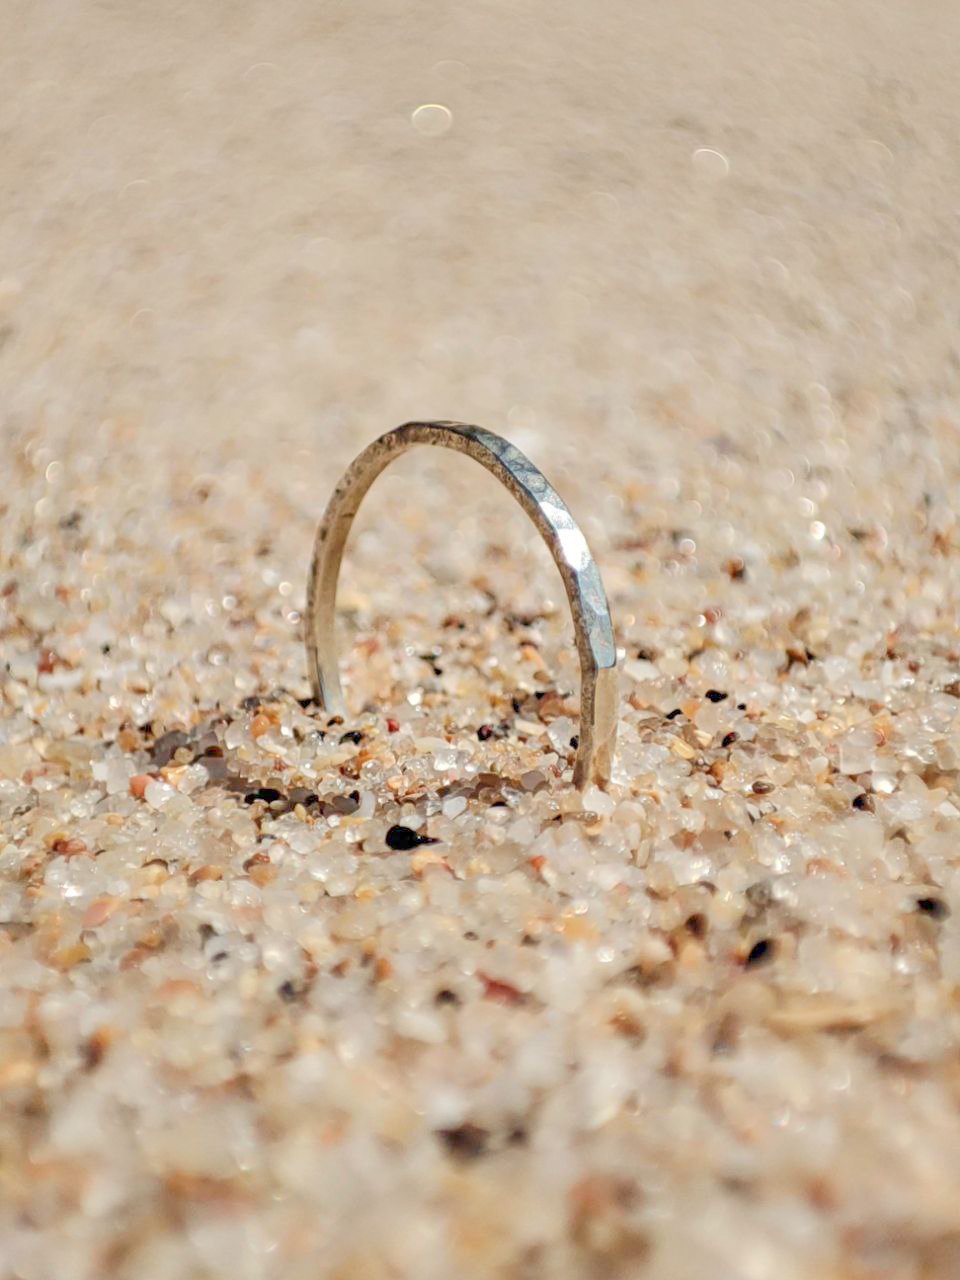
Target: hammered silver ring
<point>578,569</point>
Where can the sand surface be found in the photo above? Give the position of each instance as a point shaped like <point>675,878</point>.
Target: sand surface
<point>700,261</point>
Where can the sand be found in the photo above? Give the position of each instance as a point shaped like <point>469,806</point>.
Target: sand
<point>700,263</point>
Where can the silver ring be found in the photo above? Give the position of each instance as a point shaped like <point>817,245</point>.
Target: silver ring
<point>559,530</point>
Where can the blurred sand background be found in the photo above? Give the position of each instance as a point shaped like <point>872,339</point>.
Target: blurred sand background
<point>218,219</point>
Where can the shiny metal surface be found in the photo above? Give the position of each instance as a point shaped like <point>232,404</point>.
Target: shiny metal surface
<point>578,569</point>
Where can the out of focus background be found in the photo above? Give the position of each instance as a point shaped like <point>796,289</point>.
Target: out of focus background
<point>242,218</point>
<point>700,261</point>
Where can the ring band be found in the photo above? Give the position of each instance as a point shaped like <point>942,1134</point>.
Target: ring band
<point>578,569</point>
